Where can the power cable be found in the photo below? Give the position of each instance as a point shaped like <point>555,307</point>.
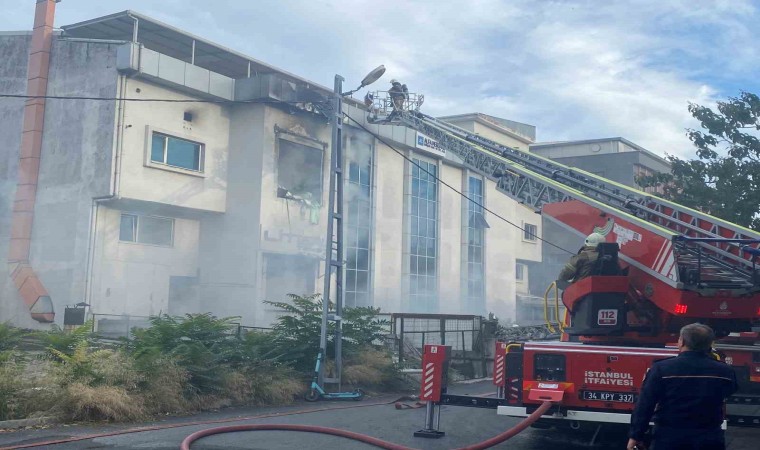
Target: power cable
<point>164,100</point>
<point>379,138</point>
<point>161,100</point>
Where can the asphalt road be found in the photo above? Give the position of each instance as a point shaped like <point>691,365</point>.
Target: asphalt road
<point>463,426</point>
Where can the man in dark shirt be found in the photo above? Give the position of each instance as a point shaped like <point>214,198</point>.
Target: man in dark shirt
<point>684,396</point>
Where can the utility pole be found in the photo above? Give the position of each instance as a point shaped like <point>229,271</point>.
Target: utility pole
<point>334,242</point>
<point>334,245</point>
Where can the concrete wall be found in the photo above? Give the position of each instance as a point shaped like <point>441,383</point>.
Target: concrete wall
<point>14,54</point>
<point>75,166</point>
<point>390,254</point>
<point>503,139</point>
<point>141,179</point>
<point>229,256</point>
<point>452,298</point>
<point>571,149</point>
<point>132,278</point>
<point>504,245</point>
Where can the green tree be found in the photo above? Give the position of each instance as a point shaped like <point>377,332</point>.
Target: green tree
<point>724,180</point>
<point>296,333</point>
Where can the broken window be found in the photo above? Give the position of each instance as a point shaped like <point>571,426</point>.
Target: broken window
<point>299,171</point>
<point>176,152</point>
<point>146,230</point>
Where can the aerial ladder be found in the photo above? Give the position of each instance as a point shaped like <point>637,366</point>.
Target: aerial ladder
<point>663,266</point>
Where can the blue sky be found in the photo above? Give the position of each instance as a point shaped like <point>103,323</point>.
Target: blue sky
<point>575,69</point>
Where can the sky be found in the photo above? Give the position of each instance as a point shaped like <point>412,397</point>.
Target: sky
<point>574,69</point>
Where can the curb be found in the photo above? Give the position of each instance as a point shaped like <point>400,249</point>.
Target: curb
<point>22,423</point>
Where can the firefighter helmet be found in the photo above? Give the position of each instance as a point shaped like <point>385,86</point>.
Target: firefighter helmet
<point>593,239</point>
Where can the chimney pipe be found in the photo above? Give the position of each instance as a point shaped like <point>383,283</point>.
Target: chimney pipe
<point>29,286</point>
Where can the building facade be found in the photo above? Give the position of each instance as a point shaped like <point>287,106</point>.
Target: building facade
<point>198,183</point>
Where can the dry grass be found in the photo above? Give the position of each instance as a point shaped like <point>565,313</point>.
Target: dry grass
<point>165,390</point>
<point>374,369</point>
<point>109,403</point>
<point>25,391</point>
<point>263,386</point>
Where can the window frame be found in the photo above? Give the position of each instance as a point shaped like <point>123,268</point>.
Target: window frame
<point>525,226</point>
<point>150,131</point>
<point>136,229</point>
<point>313,144</point>
<point>477,300</point>
<point>352,225</point>
<point>521,272</point>
<point>413,295</point>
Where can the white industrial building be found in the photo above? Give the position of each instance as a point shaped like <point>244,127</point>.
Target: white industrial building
<point>146,207</point>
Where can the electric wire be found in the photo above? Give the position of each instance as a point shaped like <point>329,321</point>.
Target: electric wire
<point>381,139</point>
<point>157,100</point>
<point>378,137</point>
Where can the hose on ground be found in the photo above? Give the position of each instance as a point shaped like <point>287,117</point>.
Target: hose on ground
<point>85,437</point>
<point>525,423</point>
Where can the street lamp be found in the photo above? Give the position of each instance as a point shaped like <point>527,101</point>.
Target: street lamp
<point>335,228</point>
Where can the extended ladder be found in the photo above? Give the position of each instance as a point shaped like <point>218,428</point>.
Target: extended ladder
<point>535,181</point>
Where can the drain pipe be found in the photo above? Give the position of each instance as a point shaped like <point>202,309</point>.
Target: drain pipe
<point>29,286</point>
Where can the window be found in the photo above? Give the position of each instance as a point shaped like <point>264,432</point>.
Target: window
<point>475,238</point>
<point>529,232</point>
<point>299,170</point>
<point>423,240</point>
<point>358,208</point>
<point>176,152</point>
<point>146,230</point>
<point>520,272</point>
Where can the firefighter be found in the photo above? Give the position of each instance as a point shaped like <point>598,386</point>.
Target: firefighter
<point>398,94</point>
<point>685,396</point>
<point>581,265</point>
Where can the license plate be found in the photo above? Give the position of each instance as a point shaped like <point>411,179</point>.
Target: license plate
<point>604,396</point>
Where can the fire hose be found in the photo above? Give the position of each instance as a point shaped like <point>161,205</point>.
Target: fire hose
<point>499,438</point>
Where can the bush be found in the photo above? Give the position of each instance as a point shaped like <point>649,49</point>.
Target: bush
<point>296,335</point>
<point>59,342</point>
<point>201,344</point>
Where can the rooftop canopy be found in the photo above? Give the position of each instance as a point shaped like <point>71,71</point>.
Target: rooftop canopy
<point>168,40</point>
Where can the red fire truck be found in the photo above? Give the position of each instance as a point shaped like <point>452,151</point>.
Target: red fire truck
<point>663,266</point>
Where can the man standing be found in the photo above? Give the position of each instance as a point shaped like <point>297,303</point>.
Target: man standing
<point>397,94</point>
<point>685,397</point>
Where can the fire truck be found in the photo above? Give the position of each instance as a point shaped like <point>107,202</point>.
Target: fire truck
<point>663,266</point>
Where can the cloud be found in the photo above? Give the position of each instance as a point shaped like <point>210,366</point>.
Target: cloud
<point>575,69</point>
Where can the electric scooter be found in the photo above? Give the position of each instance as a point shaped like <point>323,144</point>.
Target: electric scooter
<point>316,392</point>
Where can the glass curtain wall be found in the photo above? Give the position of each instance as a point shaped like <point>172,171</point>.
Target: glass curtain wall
<point>358,221</point>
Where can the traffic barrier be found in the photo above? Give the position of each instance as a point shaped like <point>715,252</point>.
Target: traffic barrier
<point>435,368</point>
<point>499,367</point>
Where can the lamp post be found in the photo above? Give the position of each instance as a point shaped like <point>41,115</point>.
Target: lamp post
<point>334,241</point>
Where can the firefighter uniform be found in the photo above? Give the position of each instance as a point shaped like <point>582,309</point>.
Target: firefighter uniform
<point>684,396</point>
<point>580,265</point>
